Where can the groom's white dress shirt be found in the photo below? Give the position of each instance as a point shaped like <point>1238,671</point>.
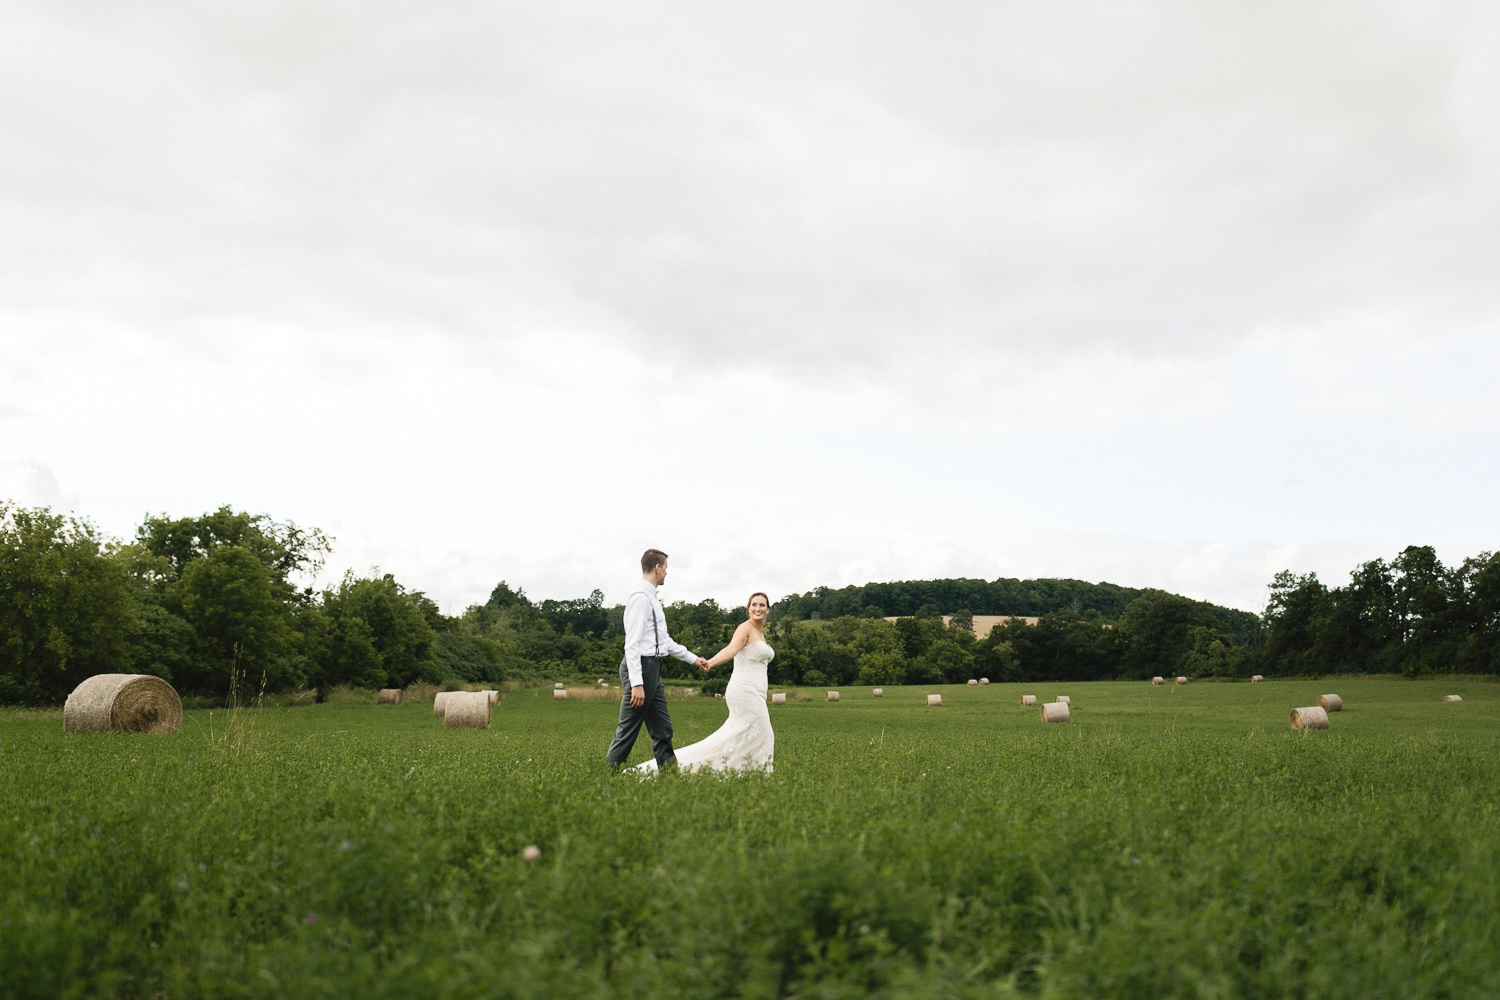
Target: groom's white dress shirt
<point>641,608</point>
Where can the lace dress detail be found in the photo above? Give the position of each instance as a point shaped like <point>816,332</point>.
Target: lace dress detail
<point>745,741</point>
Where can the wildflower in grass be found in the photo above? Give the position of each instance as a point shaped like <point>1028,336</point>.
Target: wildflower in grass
<point>346,846</point>
<point>310,918</point>
<point>182,884</point>
<point>531,852</point>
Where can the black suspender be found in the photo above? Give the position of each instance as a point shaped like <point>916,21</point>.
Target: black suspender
<point>655,630</point>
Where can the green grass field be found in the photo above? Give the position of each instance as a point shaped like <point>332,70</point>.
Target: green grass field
<point>1168,842</point>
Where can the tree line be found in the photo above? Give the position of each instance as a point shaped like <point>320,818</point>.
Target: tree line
<point>211,603</point>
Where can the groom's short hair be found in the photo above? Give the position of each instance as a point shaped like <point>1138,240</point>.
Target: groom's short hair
<point>652,558</point>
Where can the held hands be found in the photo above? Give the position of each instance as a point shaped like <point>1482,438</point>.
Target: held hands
<point>637,696</point>
<point>704,664</point>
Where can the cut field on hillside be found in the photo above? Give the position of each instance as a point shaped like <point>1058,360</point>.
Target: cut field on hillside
<point>1168,842</point>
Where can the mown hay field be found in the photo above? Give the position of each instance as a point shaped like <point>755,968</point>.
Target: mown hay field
<point>1166,842</point>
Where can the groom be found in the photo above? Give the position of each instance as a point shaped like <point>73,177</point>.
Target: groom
<point>646,640</point>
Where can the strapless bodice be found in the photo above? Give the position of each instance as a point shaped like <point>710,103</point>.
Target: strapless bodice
<point>757,653</point>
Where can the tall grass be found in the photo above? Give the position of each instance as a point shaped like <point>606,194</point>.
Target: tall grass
<point>1169,842</point>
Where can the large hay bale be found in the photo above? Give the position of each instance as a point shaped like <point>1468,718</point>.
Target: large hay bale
<point>1182,680</point>
<point>559,694</point>
<point>832,696</point>
<point>973,682</point>
<point>984,680</point>
<point>1028,700</point>
<point>779,698</point>
<point>494,695</point>
<point>439,701</point>
<point>934,699</point>
<point>1330,703</point>
<point>1158,680</point>
<point>389,696</point>
<point>1312,717</point>
<point>878,693</point>
<point>123,703</point>
<point>467,710</point>
<point>1056,711</point>
<point>1063,699</point>
<point>1256,679</point>
<point>1453,697</point>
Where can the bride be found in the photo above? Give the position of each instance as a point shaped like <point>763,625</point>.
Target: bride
<point>745,741</point>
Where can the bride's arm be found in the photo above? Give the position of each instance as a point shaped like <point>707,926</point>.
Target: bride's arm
<point>741,636</point>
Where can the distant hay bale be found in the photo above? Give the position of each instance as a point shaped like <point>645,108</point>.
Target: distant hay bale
<point>1312,717</point>
<point>832,696</point>
<point>878,693</point>
<point>558,694</point>
<point>779,698</point>
<point>1028,700</point>
<point>1056,711</point>
<point>1330,703</point>
<point>557,686</point>
<point>467,710</point>
<point>984,680</point>
<point>1063,699</point>
<point>123,703</point>
<point>440,700</point>
<point>1157,680</point>
<point>934,699</point>
<point>603,683</point>
<point>1182,680</point>
<point>494,695</point>
<point>389,696</point>
<point>1453,697</point>
<point>973,683</point>
<point>1256,679</point>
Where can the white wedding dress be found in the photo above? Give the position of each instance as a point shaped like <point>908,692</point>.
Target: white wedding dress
<point>745,741</point>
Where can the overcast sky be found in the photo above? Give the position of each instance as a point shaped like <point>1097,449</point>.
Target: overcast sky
<point>1168,295</point>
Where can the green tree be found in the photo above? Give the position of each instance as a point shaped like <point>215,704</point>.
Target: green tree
<point>66,607</point>
<point>228,576</point>
<point>1296,614</point>
<point>379,616</point>
<point>1159,632</point>
<point>241,623</point>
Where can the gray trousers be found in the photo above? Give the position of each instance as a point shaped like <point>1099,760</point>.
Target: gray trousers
<point>653,713</point>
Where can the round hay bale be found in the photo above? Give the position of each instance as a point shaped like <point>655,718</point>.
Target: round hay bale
<point>1182,680</point>
<point>389,696</point>
<point>440,700</point>
<point>832,696</point>
<point>1056,711</point>
<point>1028,700</point>
<point>467,710</point>
<point>557,686</point>
<point>878,693</point>
<point>984,680</point>
<point>1453,697</point>
<point>779,698</point>
<point>1063,699</point>
<point>1312,717</point>
<point>1256,679</point>
<point>494,695</point>
<point>1330,703</point>
<point>123,703</point>
<point>934,699</point>
<point>973,683</point>
<point>1157,681</point>
<point>558,694</point>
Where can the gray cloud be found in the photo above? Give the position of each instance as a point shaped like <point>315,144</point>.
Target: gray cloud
<point>1119,270</point>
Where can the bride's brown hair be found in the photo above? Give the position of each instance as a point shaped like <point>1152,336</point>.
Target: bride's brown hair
<point>760,593</point>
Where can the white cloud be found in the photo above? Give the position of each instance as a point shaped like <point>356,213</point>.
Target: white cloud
<point>1135,292</point>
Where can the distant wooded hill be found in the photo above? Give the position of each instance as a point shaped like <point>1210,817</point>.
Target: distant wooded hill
<point>1100,602</point>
